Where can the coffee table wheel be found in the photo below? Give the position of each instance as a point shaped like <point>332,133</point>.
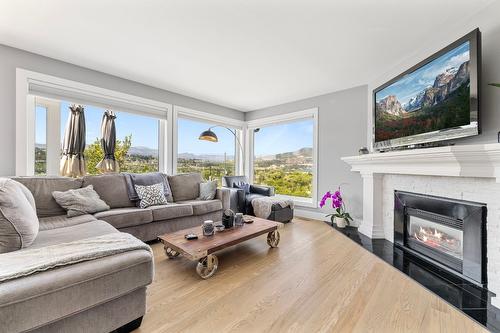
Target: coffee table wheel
<point>207,266</point>
<point>171,254</point>
<point>273,238</point>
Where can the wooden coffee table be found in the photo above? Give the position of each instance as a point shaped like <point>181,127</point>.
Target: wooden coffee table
<point>202,249</point>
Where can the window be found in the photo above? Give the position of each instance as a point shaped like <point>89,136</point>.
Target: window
<point>284,157</point>
<point>136,139</point>
<point>40,140</point>
<point>212,159</point>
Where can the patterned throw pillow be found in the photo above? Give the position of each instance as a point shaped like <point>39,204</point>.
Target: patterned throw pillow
<point>151,195</point>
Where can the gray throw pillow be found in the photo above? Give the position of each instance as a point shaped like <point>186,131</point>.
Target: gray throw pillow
<point>18,221</point>
<point>151,195</point>
<point>80,201</point>
<point>208,190</point>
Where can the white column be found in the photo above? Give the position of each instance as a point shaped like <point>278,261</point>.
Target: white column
<point>372,225</point>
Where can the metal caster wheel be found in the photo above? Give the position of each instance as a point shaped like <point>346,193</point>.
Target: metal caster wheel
<point>207,266</point>
<point>171,254</point>
<point>273,238</point>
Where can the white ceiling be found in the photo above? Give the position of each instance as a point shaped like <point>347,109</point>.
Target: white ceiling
<point>243,54</point>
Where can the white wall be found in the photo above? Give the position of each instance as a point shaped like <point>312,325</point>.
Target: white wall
<point>488,21</point>
<point>341,132</point>
<point>11,58</point>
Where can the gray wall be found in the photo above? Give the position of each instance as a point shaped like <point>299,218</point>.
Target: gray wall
<point>11,58</point>
<point>341,132</point>
<point>488,21</point>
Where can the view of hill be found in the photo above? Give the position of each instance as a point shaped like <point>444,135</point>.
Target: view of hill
<point>444,104</point>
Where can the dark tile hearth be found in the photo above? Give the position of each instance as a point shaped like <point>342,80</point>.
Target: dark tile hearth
<point>466,296</point>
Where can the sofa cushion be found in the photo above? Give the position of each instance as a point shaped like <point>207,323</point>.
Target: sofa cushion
<point>18,220</point>
<point>112,188</point>
<point>42,188</point>
<point>61,221</point>
<point>125,217</point>
<point>46,297</point>
<point>201,207</point>
<point>185,186</point>
<point>171,211</point>
<point>80,201</point>
<point>72,233</point>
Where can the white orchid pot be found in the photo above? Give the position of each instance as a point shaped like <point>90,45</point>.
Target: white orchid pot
<point>340,222</point>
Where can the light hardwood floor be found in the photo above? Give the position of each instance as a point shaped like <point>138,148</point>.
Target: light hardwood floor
<point>317,280</point>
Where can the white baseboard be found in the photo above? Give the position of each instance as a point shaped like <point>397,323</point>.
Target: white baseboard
<point>320,216</point>
<point>309,214</point>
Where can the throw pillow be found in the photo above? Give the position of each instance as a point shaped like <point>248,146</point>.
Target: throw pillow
<point>151,195</point>
<point>18,221</point>
<point>145,179</point>
<point>80,201</point>
<point>208,190</point>
<point>243,186</point>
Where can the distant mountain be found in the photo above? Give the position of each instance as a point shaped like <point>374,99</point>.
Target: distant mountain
<point>305,152</point>
<point>142,151</point>
<point>444,84</point>
<point>206,157</point>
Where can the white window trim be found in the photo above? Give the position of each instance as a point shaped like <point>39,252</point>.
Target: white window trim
<point>53,133</point>
<point>281,119</point>
<point>196,115</point>
<point>25,104</point>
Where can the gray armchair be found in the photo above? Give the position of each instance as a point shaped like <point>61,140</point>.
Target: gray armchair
<point>240,198</point>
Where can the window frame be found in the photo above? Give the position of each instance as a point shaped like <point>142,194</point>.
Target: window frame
<point>311,113</point>
<point>63,89</point>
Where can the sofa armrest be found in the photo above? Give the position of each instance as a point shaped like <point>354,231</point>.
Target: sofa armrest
<point>268,191</point>
<point>236,199</point>
<point>223,194</point>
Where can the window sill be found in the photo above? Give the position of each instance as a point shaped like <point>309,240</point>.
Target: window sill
<point>300,202</point>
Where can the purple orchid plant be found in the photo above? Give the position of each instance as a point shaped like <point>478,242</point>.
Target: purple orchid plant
<point>338,204</point>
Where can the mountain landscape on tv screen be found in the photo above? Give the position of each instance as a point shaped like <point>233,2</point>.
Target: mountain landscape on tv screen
<point>434,97</point>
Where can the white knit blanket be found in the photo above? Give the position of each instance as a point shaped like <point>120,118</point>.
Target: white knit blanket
<point>262,206</point>
<point>30,261</point>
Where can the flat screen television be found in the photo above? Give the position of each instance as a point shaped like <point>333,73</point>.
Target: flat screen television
<point>435,100</point>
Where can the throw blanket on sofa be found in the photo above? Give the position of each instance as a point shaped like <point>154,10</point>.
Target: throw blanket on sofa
<point>262,206</point>
<point>30,261</point>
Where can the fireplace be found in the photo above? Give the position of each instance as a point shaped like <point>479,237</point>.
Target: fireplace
<point>447,233</point>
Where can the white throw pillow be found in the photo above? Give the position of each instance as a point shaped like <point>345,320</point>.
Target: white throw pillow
<point>151,195</point>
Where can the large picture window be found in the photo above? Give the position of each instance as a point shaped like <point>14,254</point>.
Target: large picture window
<point>212,159</point>
<point>136,139</point>
<point>284,157</point>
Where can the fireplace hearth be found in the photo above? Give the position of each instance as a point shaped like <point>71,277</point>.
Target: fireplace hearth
<point>447,233</point>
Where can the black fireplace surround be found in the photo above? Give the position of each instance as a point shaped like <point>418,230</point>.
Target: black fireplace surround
<point>448,233</point>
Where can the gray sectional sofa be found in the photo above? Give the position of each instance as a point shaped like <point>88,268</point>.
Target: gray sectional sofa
<point>108,293</point>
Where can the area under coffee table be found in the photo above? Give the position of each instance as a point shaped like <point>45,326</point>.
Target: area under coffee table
<point>202,249</point>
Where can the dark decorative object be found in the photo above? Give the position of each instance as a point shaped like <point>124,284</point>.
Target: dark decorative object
<point>228,219</point>
<point>363,151</point>
<point>450,234</point>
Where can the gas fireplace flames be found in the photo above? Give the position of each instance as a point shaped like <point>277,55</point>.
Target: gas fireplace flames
<point>437,239</point>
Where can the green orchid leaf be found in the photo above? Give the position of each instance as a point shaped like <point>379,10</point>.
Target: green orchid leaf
<point>495,85</point>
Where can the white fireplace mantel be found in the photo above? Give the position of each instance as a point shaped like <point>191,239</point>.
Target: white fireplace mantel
<point>452,161</point>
